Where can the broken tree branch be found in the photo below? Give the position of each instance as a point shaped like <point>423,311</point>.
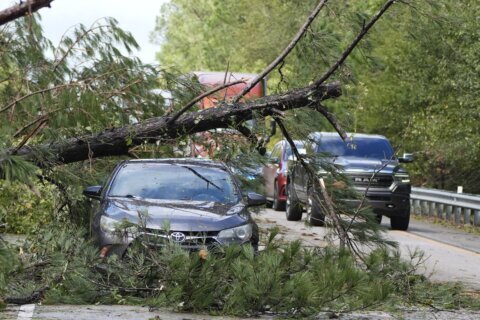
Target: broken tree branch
<point>284,53</point>
<point>22,9</point>
<point>333,120</point>
<point>30,135</point>
<point>118,141</point>
<point>354,43</point>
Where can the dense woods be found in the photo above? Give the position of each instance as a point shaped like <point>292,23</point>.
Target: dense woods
<point>414,79</point>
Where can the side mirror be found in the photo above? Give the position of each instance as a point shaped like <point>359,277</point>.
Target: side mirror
<point>93,192</point>
<point>255,199</point>
<point>406,158</point>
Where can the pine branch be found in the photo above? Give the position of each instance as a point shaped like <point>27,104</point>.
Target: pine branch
<point>354,43</point>
<point>284,53</point>
<point>200,97</point>
<point>113,142</point>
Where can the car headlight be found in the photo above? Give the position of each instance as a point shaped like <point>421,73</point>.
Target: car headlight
<point>235,235</point>
<point>117,228</point>
<point>401,177</point>
<point>108,224</point>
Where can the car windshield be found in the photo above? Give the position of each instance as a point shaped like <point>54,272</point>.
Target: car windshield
<point>174,182</point>
<point>374,148</point>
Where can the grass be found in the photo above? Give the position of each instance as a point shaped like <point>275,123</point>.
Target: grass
<point>468,228</point>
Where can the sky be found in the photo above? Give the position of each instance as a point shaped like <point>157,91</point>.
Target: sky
<point>136,16</point>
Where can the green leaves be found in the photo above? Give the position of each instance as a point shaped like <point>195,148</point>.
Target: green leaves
<point>15,168</point>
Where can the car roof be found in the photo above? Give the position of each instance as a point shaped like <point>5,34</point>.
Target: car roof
<point>186,161</point>
<point>318,135</point>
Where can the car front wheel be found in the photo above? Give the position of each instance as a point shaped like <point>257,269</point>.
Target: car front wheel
<point>314,211</point>
<point>293,209</point>
<point>400,223</point>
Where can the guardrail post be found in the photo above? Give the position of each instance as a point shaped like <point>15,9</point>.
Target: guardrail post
<point>431,211</point>
<point>458,215</point>
<point>448,213</point>
<point>425,208</point>
<point>466,216</point>
<point>440,209</point>
<point>476,217</point>
<point>418,209</point>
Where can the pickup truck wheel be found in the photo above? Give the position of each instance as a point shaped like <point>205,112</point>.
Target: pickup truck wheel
<point>314,211</point>
<point>277,205</point>
<point>293,209</point>
<point>378,218</point>
<point>400,223</point>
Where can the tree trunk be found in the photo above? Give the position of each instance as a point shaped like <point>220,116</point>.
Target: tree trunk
<point>117,141</point>
<point>22,9</point>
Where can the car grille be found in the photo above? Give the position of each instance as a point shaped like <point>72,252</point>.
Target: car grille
<point>376,181</point>
<point>193,240</point>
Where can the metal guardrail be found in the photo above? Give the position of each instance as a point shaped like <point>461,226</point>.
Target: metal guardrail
<point>461,208</point>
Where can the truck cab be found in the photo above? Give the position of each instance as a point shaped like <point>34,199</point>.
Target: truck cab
<point>371,167</point>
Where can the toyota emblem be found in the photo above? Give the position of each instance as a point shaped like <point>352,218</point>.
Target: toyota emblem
<point>177,237</point>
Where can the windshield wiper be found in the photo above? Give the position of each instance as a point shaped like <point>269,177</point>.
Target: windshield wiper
<point>202,177</point>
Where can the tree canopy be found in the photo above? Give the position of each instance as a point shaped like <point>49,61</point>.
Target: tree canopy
<point>414,79</point>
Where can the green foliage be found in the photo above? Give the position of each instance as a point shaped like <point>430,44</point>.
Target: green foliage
<point>414,78</point>
<point>59,257</point>
<point>16,168</point>
<point>8,263</point>
<point>283,278</point>
<point>421,88</point>
<point>26,209</point>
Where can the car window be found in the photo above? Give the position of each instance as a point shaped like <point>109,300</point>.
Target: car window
<point>375,148</point>
<point>175,182</point>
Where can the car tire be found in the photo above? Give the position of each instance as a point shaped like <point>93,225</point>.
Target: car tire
<point>378,218</point>
<point>293,209</point>
<point>277,204</point>
<point>400,223</point>
<point>314,211</point>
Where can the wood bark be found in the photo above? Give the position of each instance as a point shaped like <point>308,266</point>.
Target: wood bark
<point>22,9</point>
<point>118,141</point>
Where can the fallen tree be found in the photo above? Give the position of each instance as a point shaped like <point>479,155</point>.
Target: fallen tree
<point>118,141</point>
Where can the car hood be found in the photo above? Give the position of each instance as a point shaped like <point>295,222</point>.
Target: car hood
<point>365,165</point>
<point>178,215</point>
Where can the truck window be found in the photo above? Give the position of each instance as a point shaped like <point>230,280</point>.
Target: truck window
<point>374,148</point>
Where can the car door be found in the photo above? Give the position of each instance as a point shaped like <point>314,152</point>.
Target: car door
<point>270,170</point>
<point>301,179</point>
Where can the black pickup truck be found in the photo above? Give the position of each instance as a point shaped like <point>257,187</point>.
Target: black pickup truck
<point>369,161</point>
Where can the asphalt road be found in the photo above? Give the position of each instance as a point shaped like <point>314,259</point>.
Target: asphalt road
<point>451,255</point>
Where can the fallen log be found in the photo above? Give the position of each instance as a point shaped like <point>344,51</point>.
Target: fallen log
<point>118,141</point>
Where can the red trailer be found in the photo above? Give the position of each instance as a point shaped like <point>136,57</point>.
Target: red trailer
<point>206,145</point>
<point>214,79</point>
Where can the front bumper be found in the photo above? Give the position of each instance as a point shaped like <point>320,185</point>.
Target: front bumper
<point>386,203</point>
<point>157,241</point>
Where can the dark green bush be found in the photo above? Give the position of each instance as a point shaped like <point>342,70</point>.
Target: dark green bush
<point>283,278</point>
